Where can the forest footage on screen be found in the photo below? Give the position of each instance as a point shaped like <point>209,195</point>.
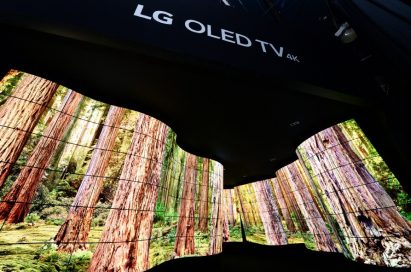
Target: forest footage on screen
<point>87,186</point>
<point>339,196</point>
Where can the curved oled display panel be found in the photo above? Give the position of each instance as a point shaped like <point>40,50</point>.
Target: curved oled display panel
<point>284,211</point>
<point>362,198</point>
<point>340,196</point>
<point>87,186</point>
<point>231,224</point>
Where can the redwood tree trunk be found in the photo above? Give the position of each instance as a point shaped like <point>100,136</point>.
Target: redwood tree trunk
<point>78,222</point>
<point>184,244</point>
<point>369,221</point>
<point>297,180</point>
<point>16,203</point>
<point>273,227</point>
<point>245,214</point>
<point>251,205</point>
<point>283,205</point>
<point>216,234</point>
<point>18,117</point>
<point>226,230</point>
<point>125,241</point>
<point>203,210</point>
<point>228,193</point>
<point>291,202</point>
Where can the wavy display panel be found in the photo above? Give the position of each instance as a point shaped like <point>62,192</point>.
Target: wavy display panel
<point>232,221</point>
<point>270,214</point>
<point>340,196</point>
<point>87,186</point>
<point>302,202</point>
<point>361,196</point>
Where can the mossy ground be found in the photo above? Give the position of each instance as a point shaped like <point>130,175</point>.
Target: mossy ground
<point>30,248</point>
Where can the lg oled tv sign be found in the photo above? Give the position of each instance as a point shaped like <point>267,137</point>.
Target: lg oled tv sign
<point>296,45</point>
<point>215,32</point>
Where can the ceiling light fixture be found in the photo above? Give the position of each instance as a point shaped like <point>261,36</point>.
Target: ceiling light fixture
<point>293,124</point>
<point>346,33</point>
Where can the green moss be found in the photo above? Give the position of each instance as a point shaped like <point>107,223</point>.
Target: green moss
<point>39,256</point>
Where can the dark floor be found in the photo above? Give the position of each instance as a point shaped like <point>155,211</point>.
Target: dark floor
<point>251,257</point>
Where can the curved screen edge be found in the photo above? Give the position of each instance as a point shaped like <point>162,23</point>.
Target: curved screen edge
<point>90,186</point>
<point>339,196</point>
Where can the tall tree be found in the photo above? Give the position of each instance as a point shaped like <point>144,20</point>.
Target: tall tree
<point>217,217</point>
<point>18,117</point>
<point>283,205</point>
<point>78,222</point>
<point>291,202</point>
<point>226,230</point>
<point>16,203</point>
<point>228,193</point>
<point>243,211</point>
<point>203,210</point>
<point>184,244</point>
<point>55,161</point>
<point>177,185</point>
<point>270,216</point>
<point>297,179</point>
<point>125,241</point>
<point>251,204</point>
<point>374,230</point>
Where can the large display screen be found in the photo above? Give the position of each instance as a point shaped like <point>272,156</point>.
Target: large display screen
<point>363,199</point>
<point>339,196</point>
<point>87,186</point>
<point>232,221</point>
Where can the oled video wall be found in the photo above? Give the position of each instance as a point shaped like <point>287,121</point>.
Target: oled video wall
<point>87,186</point>
<point>340,196</point>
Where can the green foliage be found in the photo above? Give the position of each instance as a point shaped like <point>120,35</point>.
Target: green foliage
<point>235,233</point>
<point>57,261</point>
<point>309,241</point>
<point>159,212</point>
<point>50,208</point>
<point>32,218</point>
<point>100,217</point>
<point>8,85</point>
<point>38,256</point>
<point>295,238</point>
<point>171,236</point>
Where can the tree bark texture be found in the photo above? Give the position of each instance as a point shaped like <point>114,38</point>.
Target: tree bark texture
<point>269,214</point>
<point>229,203</point>
<point>18,117</point>
<point>184,243</point>
<point>372,227</point>
<point>73,234</point>
<point>216,234</point>
<point>124,244</point>
<point>292,205</point>
<point>16,203</point>
<point>203,210</point>
<point>283,205</point>
<point>243,211</point>
<point>226,230</point>
<point>297,180</point>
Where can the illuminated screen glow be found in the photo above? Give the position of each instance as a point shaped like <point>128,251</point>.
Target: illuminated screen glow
<point>87,186</point>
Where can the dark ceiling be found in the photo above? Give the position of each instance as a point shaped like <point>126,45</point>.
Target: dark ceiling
<point>250,122</point>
